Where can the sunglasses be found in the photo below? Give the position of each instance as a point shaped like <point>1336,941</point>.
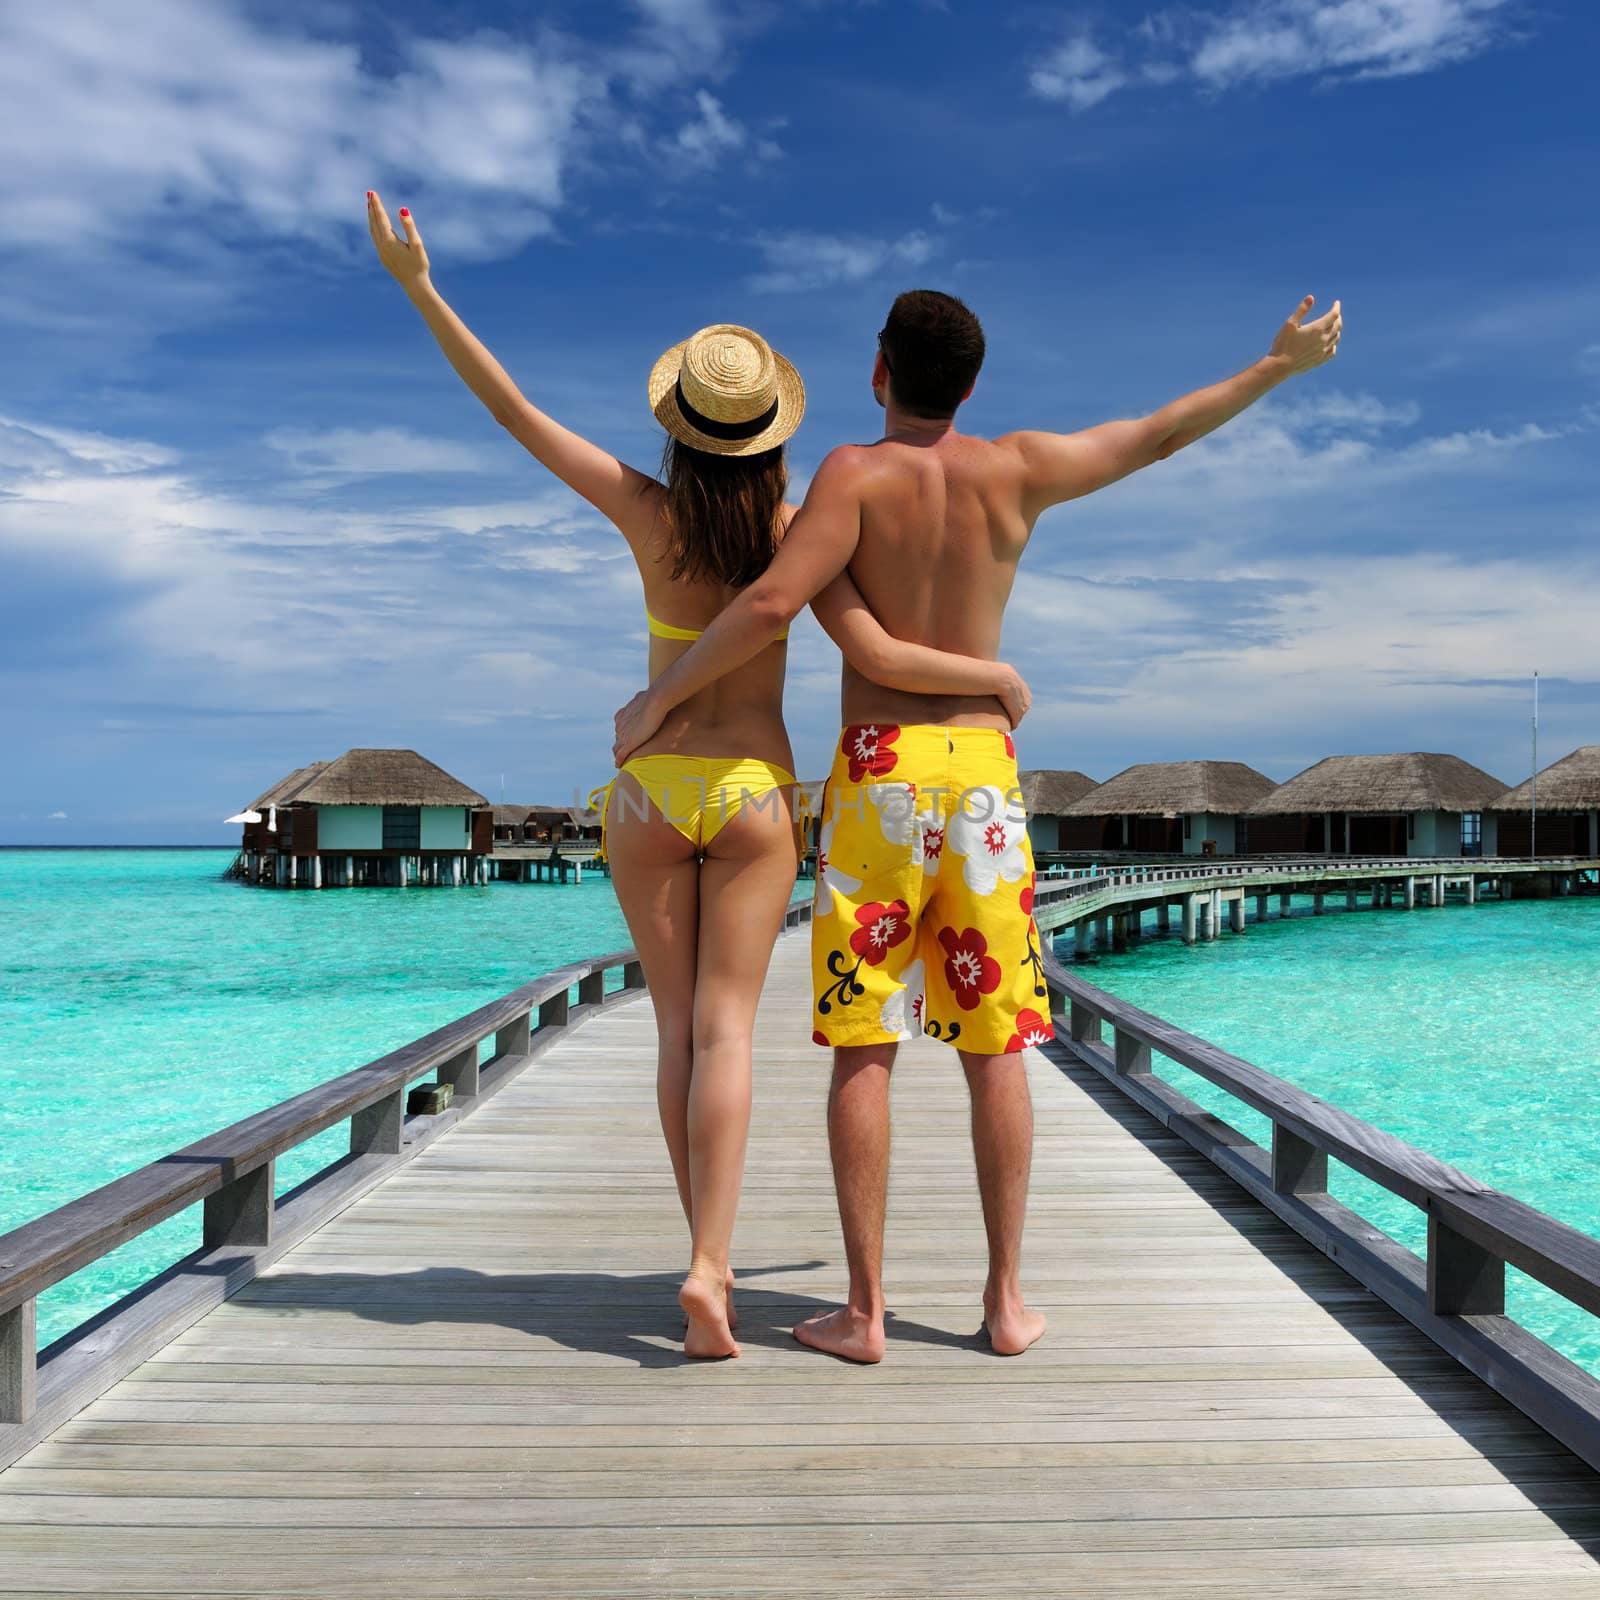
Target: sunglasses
<point>888,366</point>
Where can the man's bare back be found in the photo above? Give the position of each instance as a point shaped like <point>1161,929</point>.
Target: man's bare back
<point>942,530</point>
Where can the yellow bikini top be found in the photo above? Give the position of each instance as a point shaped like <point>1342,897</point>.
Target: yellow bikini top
<point>665,630</point>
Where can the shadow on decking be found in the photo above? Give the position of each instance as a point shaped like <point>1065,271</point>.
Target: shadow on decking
<point>1516,1446</point>
<point>627,1315</point>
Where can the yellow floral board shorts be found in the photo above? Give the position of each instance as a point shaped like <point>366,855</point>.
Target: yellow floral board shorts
<point>924,906</point>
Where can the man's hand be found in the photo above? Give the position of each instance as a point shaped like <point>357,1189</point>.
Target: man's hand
<point>1011,690</point>
<point>1302,345</point>
<point>635,723</point>
<point>405,258</point>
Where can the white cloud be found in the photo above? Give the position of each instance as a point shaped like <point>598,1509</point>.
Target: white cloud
<point>259,600</point>
<point>801,260</point>
<point>1358,38</point>
<point>197,114</point>
<point>58,816</point>
<point>1262,41</point>
<point>355,452</point>
<point>708,136</point>
<point>1077,71</point>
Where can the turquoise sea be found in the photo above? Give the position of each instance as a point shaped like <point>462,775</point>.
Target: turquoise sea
<point>1471,1032</point>
<point>145,1002</point>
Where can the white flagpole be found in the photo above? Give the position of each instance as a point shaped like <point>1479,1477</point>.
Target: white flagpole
<point>1533,815</point>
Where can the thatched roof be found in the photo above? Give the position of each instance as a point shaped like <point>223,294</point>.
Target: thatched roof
<point>510,816</point>
<point>285,789</point>
<point>1383,786</point>
<point>1048,791</point>
<point>379,778</point>
<point>1175,789</point>
<point>1570,784</point>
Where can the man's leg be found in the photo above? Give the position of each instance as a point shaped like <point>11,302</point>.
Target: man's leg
<point>858,1140</point>
<point>1002,1143</point>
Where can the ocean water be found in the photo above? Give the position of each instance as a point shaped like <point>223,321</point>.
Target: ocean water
<point>1473,1032</point>
<point>144,1003</point>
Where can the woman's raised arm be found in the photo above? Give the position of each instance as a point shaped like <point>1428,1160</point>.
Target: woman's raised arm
<point>617,491</point>
<point>914,668</point>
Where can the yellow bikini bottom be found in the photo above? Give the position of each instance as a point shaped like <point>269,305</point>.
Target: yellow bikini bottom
<point>698,795</point>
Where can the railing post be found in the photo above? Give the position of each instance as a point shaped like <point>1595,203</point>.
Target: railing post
<point>240,1213</point>
<point>1133,1056</point>
<point>553,1012</point>
<point>461,1073</point>
<point>1084,1024</point>
<point>19,1343</point>
<point>1298,1166</point>
<point>633,971</point>
<point>513,1039</point>
<point>1464,1279</point>
<point>592,988</point>
<point>1054,999</point>
<point>375,1130</point>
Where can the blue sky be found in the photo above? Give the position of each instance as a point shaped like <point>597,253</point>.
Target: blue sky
<point>248,517</point>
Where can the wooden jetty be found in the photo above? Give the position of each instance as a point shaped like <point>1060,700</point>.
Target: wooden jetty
<point>449,1365</point>
<point>1106,907</point>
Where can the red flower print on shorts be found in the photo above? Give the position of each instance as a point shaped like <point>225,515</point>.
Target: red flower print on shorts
<point>1011,749</point>
<point>1032,1029</point>
<point>866,748</point>
<point>882,928</point>
<point>1026,898</point>
<point>818,1036</point>
<point>969,969</point>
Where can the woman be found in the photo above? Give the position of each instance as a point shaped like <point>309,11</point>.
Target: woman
<point>700,825</point>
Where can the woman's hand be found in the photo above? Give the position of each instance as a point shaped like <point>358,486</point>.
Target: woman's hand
<point>405,258</point>
<point>1011,690</point>
<point>635,723</point>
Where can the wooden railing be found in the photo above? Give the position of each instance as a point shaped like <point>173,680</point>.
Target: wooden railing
<point>245,1225</point>
<point>1456,1295</point>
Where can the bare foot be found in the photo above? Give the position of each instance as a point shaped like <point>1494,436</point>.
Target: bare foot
<point>1012,1329</point>
<point>708,1336</point>
<point>844,1333</point>
<point>727,1295</point>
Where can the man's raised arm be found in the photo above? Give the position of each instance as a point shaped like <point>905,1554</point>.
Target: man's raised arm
<point>1063,466</point>
<point>818,547</point>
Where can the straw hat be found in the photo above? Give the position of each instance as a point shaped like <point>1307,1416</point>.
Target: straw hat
<point>727,391</point>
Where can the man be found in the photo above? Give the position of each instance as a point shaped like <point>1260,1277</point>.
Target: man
<point>925,878</point>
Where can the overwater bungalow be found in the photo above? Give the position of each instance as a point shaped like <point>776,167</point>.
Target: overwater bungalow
<point>1046,794</point>
<point>370,817</point>
<point>1412,804</point>
<point>524,825</point>
<point>1166,807</point>
<point>511,824</point>
<point>1567,820</point>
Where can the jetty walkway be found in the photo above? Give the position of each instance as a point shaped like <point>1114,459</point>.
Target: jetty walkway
<point>455,1370</point>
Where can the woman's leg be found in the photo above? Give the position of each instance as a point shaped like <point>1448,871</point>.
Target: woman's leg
<point>656,874</point>
<point>746,880</point>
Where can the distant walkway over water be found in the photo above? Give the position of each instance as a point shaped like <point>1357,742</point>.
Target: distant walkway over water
<point>452,1367</point>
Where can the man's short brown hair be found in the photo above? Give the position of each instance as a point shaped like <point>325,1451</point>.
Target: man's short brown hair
<point>933,347</point>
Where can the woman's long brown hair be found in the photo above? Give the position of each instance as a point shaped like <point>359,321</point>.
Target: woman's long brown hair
<point>722,512</point>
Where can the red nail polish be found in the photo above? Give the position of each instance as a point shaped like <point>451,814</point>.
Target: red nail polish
<point>369,194</point>
<point>404,212</point>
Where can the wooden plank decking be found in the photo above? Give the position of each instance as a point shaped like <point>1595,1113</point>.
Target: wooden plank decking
<point>468,1384</point>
